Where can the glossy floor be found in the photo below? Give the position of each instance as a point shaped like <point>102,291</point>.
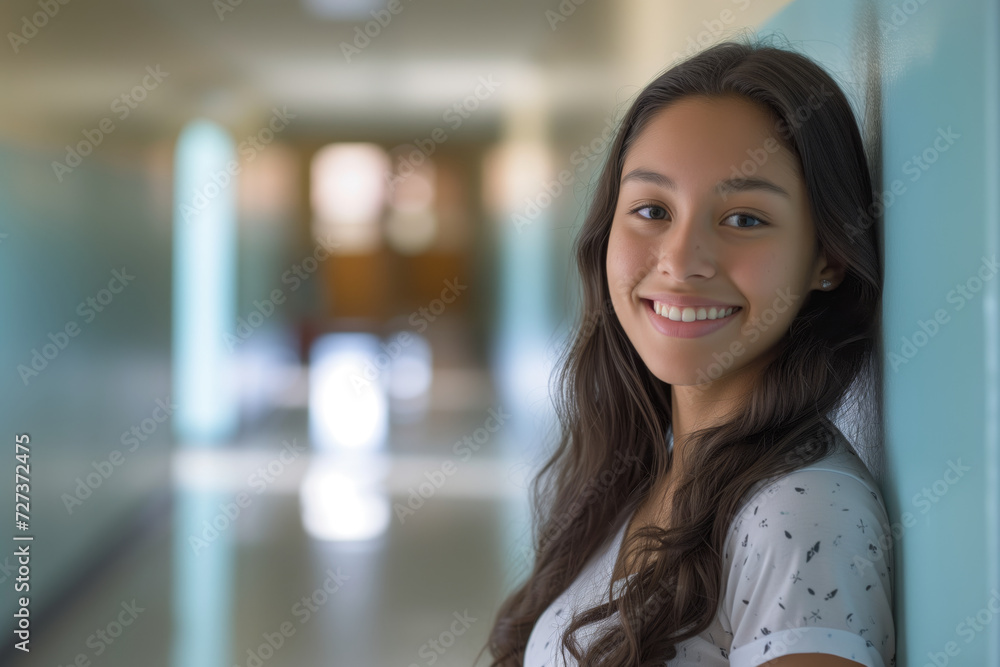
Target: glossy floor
<point>264,591</point>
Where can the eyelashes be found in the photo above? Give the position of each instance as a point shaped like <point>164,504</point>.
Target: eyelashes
<point>747,214</point>
<point>651,205</point>
<point>644,205</point>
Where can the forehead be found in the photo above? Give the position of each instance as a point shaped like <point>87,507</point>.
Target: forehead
<point>714,138</point>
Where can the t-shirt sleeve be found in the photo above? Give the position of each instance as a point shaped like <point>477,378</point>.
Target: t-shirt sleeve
<point>811,572</point>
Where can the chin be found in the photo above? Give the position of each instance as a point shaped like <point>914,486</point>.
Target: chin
<point>681,372</point>
<point>671,373</point>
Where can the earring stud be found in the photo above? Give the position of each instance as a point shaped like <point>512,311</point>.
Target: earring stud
<point>826,284</point>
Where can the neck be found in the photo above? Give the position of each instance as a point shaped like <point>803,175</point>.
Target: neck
<point>695,407</point>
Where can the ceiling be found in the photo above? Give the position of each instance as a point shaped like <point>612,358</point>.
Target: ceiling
<point>575,59</point>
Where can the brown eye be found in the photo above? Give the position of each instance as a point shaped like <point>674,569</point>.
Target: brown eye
<point>747,216</point>
<point>653,212</point>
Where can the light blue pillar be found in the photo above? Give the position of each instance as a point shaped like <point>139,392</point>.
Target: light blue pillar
<point>204,310</point>
<point>204,282</point>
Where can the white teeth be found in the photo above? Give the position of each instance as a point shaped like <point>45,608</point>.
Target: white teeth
<point>690,314</point>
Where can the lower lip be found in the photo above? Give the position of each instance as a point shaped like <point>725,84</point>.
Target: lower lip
<point>694,329</point>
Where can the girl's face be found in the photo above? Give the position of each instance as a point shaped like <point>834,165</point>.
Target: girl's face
<point>711,210</point>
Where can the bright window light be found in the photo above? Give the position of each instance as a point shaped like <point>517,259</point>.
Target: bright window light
<point>348,194</point>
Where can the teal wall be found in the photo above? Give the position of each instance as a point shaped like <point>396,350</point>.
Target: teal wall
<point>61,243</point>
<point>937,67</point>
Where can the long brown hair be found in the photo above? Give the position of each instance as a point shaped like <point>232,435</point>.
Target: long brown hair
<point>612,409</point>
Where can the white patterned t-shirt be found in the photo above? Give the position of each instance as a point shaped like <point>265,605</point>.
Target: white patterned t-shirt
<point>807,569</point>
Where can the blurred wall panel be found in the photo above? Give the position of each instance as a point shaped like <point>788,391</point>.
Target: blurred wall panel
<point>270,294</point>
<point>359,285</point>
<point>85,275</point>
<point>390,281</point>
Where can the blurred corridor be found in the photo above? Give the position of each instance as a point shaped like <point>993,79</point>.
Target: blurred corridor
<point>284,287</point>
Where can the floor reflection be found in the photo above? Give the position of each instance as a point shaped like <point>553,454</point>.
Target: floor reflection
<point>312,562</point>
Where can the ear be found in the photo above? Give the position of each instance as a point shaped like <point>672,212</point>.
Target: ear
<point>827,268</point>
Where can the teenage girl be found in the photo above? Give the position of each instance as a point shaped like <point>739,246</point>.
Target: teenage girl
<point>732,283</point>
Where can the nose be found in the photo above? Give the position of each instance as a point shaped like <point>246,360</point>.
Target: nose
<point>685,248</point>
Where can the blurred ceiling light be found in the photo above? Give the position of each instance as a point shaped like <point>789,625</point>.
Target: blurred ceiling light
<point>341,10</point>
<point>348,408</point>
<point>348,182</point>
<point>348,192</point>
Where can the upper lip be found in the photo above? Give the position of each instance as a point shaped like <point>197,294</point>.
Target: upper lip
<point>684,301</point>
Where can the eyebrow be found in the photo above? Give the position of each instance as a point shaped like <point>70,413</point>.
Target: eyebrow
<point>723,187</point>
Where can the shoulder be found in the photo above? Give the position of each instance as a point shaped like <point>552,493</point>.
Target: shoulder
<point>811,509</point>
<point>809,558</point>
<point>831,492</point>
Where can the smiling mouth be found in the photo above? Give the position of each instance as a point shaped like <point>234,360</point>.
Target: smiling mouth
<point>693,313</point>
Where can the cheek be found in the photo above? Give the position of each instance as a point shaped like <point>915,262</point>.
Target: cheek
<point>767,280</point>
<point>758,278</point>
<point>615,263</point>
<point>625,264</point>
